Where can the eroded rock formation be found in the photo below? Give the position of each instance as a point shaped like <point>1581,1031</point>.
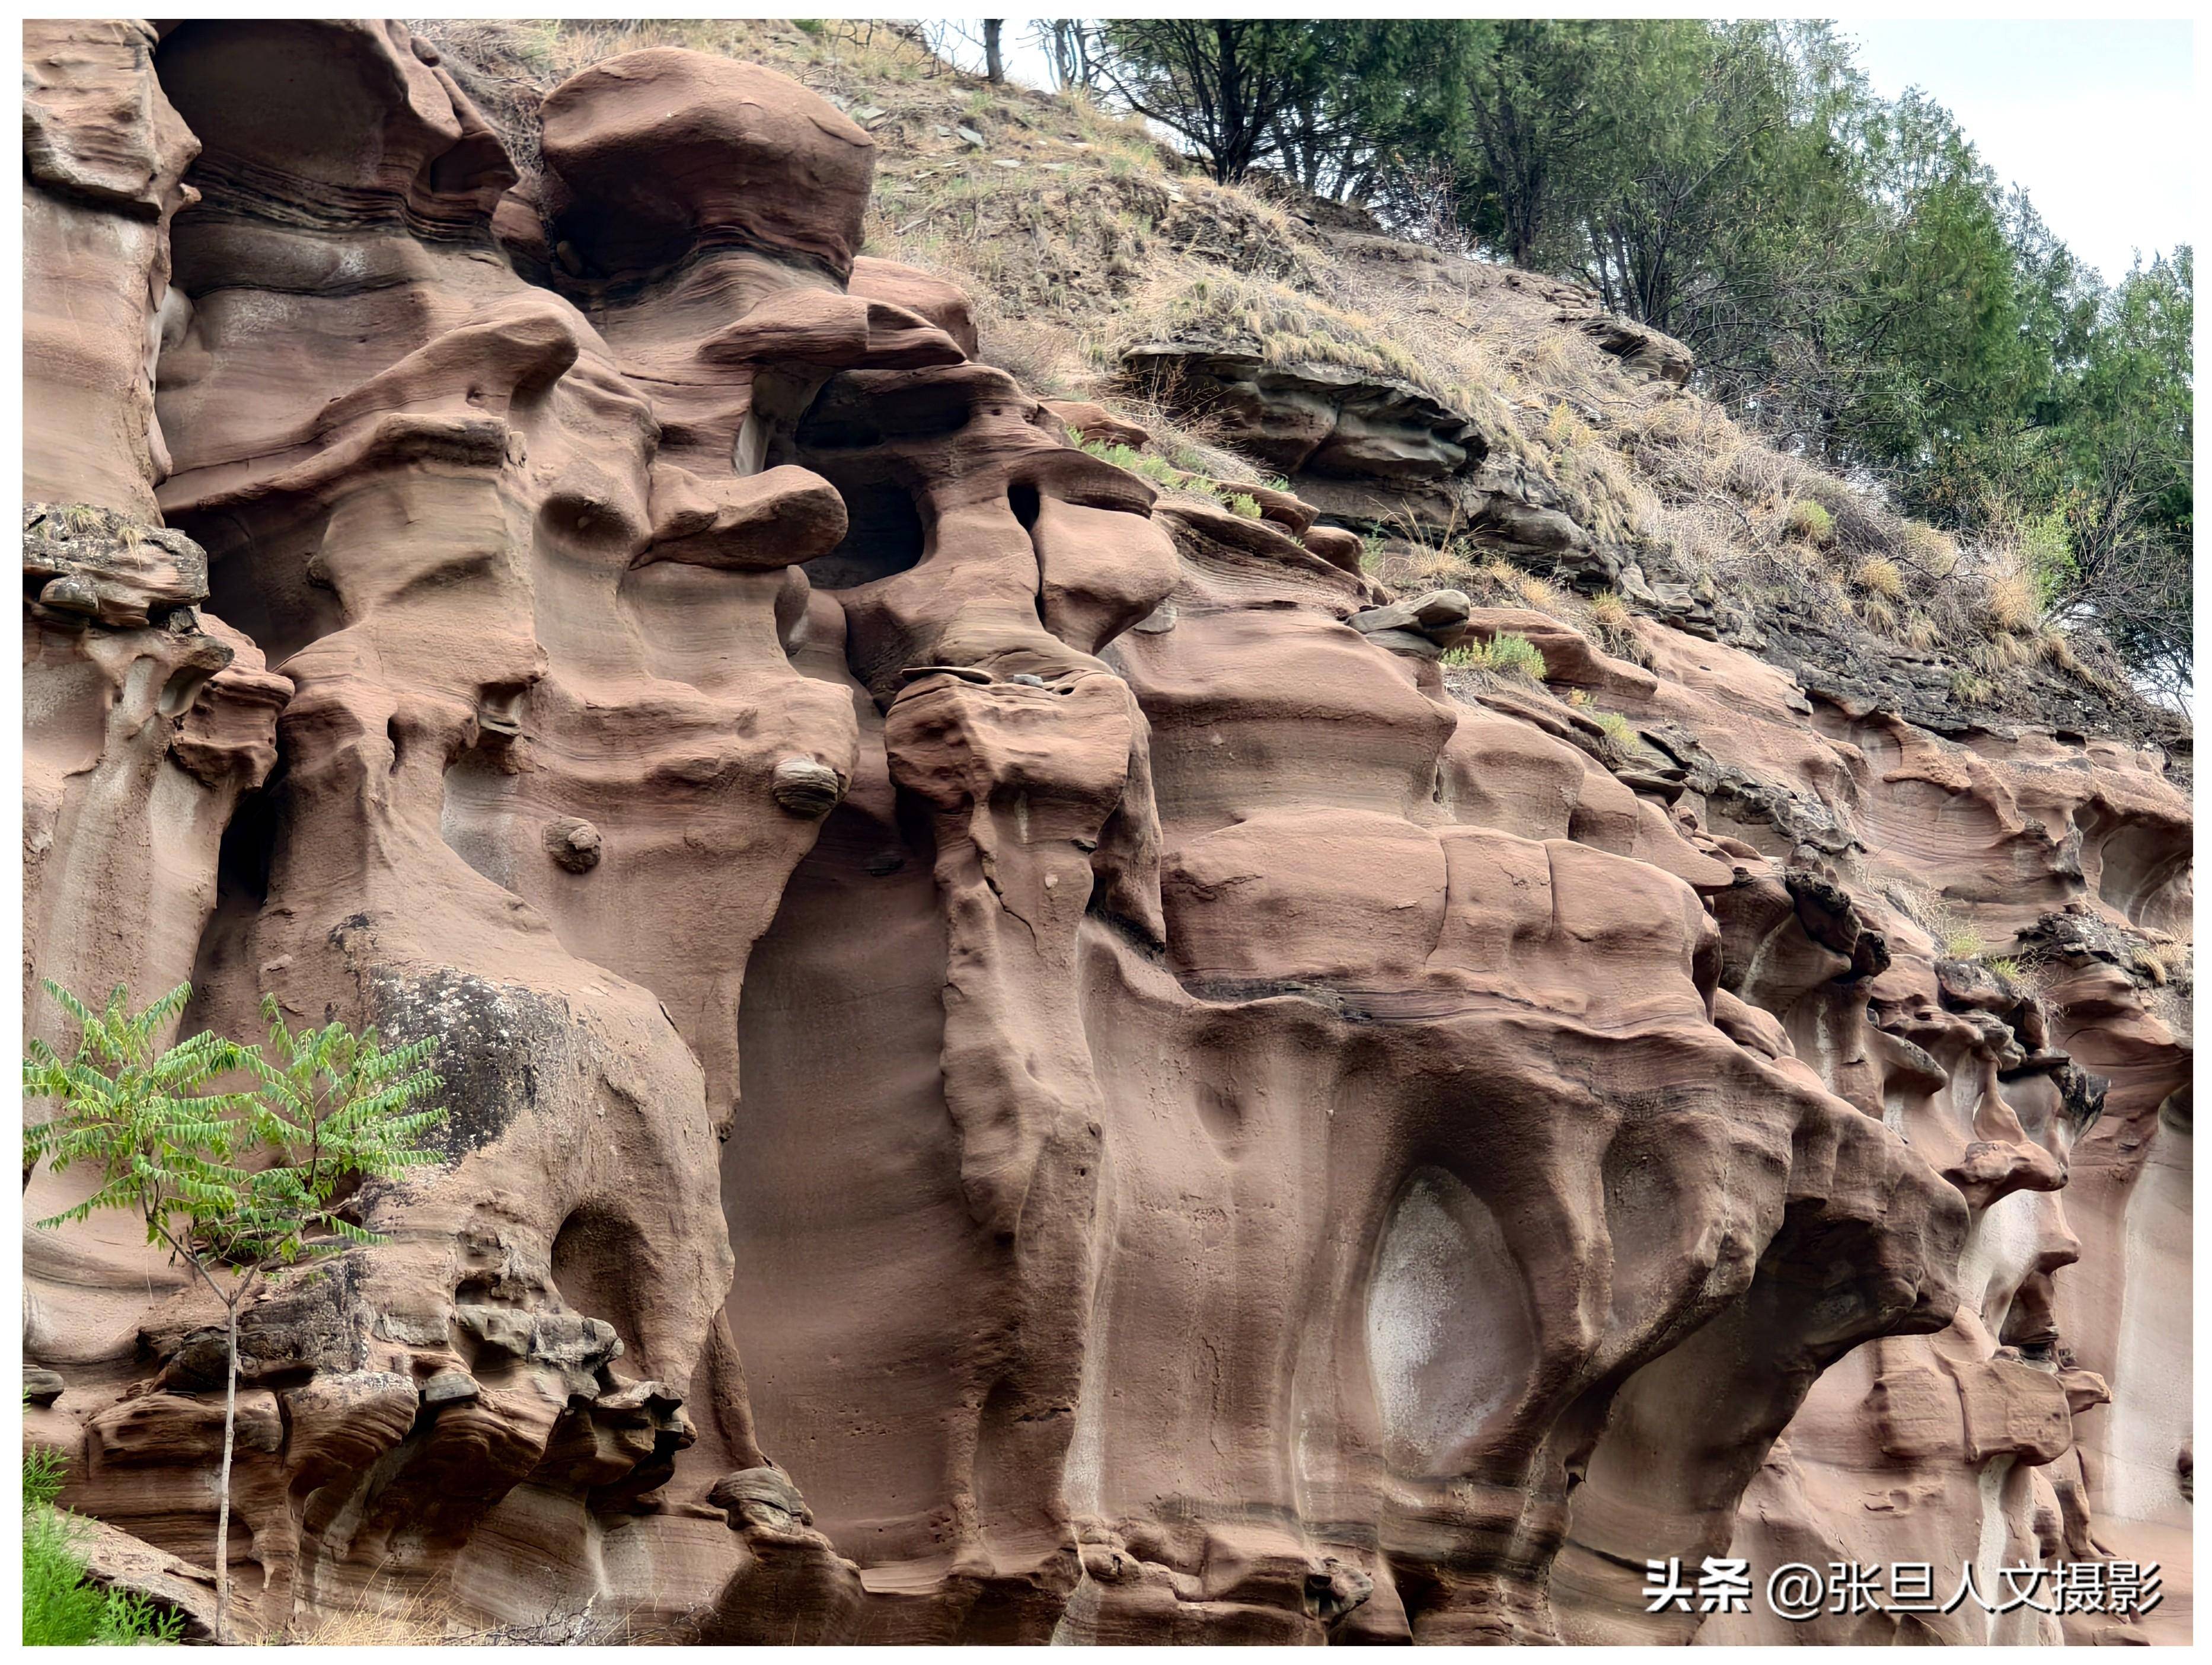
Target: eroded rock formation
<point>1026,1062</point>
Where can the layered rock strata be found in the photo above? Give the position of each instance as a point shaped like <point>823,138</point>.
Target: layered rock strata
<point>1026,1061</point>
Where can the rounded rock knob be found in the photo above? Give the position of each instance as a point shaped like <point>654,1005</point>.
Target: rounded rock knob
<point>573,843</point>
<point>806,787</point>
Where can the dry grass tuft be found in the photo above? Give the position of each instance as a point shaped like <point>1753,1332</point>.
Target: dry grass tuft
<point>1933,553</point>
<point>2167,964</point>
<point>1436,569</point>
<point>2011,600</point>
<point>1609,614</point>
<point>1969,688</point>
<point>1538,594</point>
<point>1881,576</point>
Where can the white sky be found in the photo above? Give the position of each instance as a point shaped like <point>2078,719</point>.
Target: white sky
<point>2094,119</point>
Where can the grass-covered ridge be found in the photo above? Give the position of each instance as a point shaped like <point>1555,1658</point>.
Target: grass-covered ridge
<point>1078,234</point>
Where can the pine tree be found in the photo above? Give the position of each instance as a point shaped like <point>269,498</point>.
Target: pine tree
<point>329,1109</point>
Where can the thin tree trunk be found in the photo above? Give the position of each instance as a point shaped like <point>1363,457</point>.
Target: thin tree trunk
<point>995,65</point>
<point>223,1487</point>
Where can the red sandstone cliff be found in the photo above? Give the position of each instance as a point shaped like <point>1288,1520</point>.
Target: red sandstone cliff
<point>1030,1058</point>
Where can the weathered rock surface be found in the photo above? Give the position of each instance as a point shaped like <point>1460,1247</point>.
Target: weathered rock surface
<point>1028,1061</point>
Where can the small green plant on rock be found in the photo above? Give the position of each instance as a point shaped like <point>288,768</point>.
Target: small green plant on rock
<point>1621,737</point>
<point>1508,653</point>
<point>1811,522</point>
<point>1157,470</point>
<point>1514,654</point>
<point>62,1608</point>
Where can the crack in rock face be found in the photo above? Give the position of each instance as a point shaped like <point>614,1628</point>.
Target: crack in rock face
<point>1028,1057</point>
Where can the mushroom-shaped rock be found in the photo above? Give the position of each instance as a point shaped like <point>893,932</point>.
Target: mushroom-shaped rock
<point>1424,626</point>
<point>914,291</point>
<point>760,1498</point>
<point>792,1586</point>
<point>656,151</point>
<point>762,521</point>
<point>833,331</point>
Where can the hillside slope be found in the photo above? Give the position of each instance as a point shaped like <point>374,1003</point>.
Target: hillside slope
<point>1103,267</point>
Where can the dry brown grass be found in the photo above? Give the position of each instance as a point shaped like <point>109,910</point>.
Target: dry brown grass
<point>1881,576</point>
<point>1933,554</point>
<point>2167,962</point>
<point>1436,569</point>
<point>1609,613</point>
<point>1539,595</point>
<point>2011,600</point>
<point>1877,615</point>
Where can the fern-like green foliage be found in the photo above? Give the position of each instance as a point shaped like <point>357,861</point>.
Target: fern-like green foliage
<point>336,1106</point>
<point>164,1143</point>
<point>329,1108</point>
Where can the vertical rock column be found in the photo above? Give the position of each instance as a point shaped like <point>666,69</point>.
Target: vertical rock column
<point>144,719</point>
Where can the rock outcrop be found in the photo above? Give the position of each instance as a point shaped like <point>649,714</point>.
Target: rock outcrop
<point>1028,1059</point>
